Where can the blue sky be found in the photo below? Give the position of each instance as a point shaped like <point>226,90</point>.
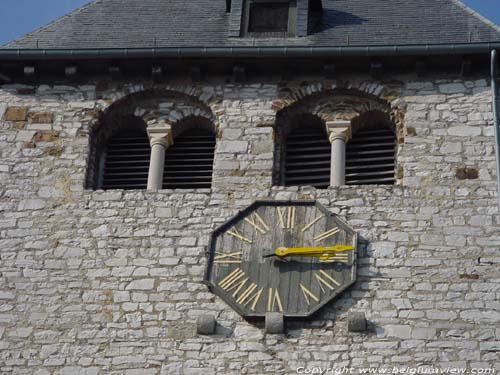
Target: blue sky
<point>19,17</point>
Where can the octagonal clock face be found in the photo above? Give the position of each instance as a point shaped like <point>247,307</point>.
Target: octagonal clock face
<point>288,257</point>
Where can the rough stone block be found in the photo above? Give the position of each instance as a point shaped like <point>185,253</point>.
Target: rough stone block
<point>47,136</point>
<point>25,135</point>
<point>398,330</point>
<point>41,118</point>
<point>121,296</point>
<point>441,315</point>
<point>233,146</point>
<point>144,232</point>
<point>275,323</point>
<point>31,204</point>
<point>6,295</point>
<point>423,333</point>
<point>49,192</point>
<point>464,131</point>
<point>479,316</point>
<point>232,134</point>
<point>206,324</point>
<point>16,114</point>
<point>255,357</point>
<point>188,241</point>
<point>451,148</point>
<point>40,127</point>
<point>226,165</point>
<point>108,196</point>
<point>164,212</point>
<point>467,173</point>
<point>3,108</point>
<point>357,322</point>
<point>398,236</point>
<point>142,371</point>
<point>491,346</point>
<point>452,88</point>
<point>21,332</point>
<point>144,284</point>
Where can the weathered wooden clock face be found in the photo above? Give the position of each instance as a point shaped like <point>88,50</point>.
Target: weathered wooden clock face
<point>289,257</point>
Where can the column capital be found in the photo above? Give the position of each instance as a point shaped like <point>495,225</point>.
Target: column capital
<point>160,134</point>
<point>339,129</point>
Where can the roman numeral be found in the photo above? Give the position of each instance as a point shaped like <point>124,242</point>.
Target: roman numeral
<point>228,258</point>
<point>234,232</point>
<point>232,278</point>
<point>312,223</point>
<point>327,234</point>
<point>256,299</point>
<point>274,300</point>
<point>249,295</point>
<point>258,224</point>
<point>286,217</point>
<point>237,280</point>
<point>238,286</point>
<point>325,274</point>
<point>324,282</point>
<point>336,258</point>
<point>307,293</point>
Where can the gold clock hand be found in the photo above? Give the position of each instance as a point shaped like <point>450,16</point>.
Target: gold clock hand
<point>319,252</point>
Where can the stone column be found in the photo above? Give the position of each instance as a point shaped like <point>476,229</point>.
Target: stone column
<point>339,132</point>
<point>161,139</point>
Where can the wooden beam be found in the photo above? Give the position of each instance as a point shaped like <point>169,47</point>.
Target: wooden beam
<point>466,68</point>
<point>329,70</point>
<point>29,71</point>
<point>287,73</point>
<point>156,73</point>
<point>70,71</point>
<point>195,73</point>
<point>115,72</point>
<point>316,5</point>
<point>5,78</point>
<point>376,69</point>
<point>421,68</point>
<point>239,73</point>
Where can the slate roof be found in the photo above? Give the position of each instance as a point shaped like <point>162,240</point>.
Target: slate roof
<point>204,23</point>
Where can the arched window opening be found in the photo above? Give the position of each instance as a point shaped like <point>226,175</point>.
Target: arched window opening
<point>127,161</point>
<point>189,161</point>
<point>307,153</point>
<point>371,155</point>
<point>124,159</point>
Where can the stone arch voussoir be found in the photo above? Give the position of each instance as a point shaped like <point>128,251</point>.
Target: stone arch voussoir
<point>129,101</point>
<point>347,100</point>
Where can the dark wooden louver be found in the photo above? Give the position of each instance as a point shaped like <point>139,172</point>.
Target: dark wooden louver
<point>126,163</point>
<point>307,157</point>
<point>371,156</point>
<point>189,162</point>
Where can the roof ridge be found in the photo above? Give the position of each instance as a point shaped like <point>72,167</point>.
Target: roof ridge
<point>57,20</point>
<point>480,17</point>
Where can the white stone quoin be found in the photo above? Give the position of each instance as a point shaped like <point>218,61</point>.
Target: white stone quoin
<point>160,138</point>
<point>339,132</point>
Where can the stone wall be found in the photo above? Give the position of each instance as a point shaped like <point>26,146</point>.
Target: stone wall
<point>96,282</point>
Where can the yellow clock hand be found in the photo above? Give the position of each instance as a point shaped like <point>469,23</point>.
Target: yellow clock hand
<point>319,252</point>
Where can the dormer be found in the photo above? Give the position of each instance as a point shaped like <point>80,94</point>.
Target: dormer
<point>271,18</point>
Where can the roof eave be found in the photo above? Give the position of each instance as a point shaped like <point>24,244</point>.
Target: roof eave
<point>247,52</point>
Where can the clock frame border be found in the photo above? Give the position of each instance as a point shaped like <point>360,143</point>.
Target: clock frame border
<point>210,252</point>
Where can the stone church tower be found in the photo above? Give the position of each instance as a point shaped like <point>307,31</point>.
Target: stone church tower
<point>250,187</point>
